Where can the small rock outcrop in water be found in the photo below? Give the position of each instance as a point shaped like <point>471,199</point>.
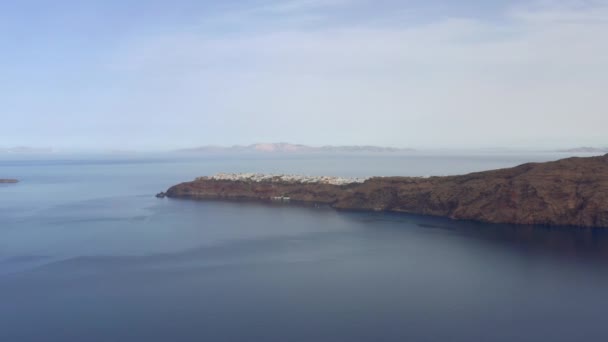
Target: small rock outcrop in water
<point>161,195</point>
<point>6,181</point>
<point>567,192</point>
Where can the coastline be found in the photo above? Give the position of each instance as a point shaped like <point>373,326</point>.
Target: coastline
<point>568,192</point>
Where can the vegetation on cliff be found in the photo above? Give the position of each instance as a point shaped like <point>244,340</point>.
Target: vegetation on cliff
<point>567,192</point>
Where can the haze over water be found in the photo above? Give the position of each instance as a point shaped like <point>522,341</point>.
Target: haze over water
<point>88,254</point>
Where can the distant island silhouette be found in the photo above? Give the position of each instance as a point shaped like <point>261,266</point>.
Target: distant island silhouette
<point>283,147</point>
<point>585,149</point>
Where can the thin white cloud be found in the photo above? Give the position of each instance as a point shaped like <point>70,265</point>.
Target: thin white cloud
<point>565,12</point>
<point>292,6</point>
<point>533,78</point>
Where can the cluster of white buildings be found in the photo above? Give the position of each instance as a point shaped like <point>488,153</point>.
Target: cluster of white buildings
<point>260,177</point>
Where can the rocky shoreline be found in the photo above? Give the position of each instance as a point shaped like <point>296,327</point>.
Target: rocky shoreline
<point>567,192</point>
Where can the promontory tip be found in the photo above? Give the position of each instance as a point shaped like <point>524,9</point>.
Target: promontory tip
<point>568,192</point>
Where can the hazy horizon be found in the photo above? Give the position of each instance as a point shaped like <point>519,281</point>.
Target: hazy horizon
<point>251,148</point>
<point>158,75</point>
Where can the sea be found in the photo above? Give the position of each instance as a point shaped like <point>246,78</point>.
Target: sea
<point>87,253</point>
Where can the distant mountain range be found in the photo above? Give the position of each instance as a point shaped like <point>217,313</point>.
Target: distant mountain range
<point>25,149</point>
<point>586,150</point>
<point>291,148</point>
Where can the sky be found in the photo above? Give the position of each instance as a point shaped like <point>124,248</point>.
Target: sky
<point>150,75</point>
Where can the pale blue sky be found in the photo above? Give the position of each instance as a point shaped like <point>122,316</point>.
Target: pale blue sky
<point>169,74</point>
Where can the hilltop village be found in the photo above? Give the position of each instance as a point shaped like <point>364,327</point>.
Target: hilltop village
<point>568,192</point>
<point>260,177</point>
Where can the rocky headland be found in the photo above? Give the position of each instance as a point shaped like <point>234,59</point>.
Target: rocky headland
<point>8,181</point>
<point>567,192</point>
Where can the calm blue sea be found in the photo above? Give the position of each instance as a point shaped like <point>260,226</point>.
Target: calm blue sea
<point>88,254</point>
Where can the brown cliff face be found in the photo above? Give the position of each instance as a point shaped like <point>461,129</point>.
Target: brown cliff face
<point>567,192</point>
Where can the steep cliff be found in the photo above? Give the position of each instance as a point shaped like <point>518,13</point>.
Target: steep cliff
<point>567,192</point>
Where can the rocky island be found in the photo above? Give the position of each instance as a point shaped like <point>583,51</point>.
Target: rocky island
<point>567,192</point>
<point>8,181</point>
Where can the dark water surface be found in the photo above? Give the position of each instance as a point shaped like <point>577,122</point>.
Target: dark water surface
<point>88,254</point>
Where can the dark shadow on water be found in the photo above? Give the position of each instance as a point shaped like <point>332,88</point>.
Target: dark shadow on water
<point>569,242</point>
<point>589,244</point>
